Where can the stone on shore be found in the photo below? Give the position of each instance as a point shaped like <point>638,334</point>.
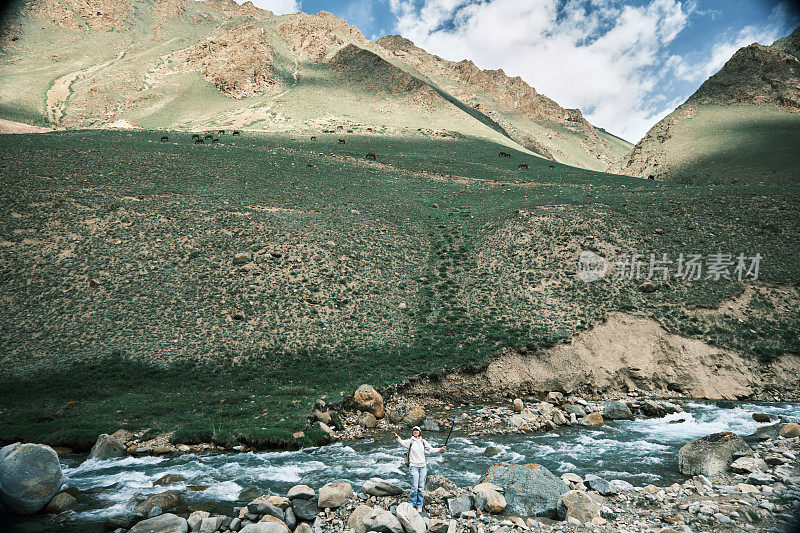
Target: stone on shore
<point>436,481</point>
<point>367,399</point>
<point>616,410</point>
<point>303,492</point>
<point>264,527</point>
<point>579,505</point>
<point>304,509</point>
<point>461,504</point>
<point>30,475</point>
<point>414,415</point>
<point>368,421</point>
<point>790,430</point>
<point>410,518</point>
<point>378,487</point>
<point>745,465</point>
<point>334,494</point>
<point>166,501</point>
<point>530,489</point>
<point>165,523</point>
<point>491,499</point>
<point>382,521</point>
<point>594,420</point>
<point>107,447</point>
<point>711,454</point>
<point>518,405</point>
<point>356,520</point>
<point>599,484</point>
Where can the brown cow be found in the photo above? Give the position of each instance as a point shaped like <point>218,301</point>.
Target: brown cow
<point>215,140</point>
<point>195,136</point>
<point>339,127</point>
<point>313,138</point>
<point>522,165</point>
<point>221,132</point>
<point>371,155</point>
<point>341,141</point>
<point>504,154</point>
<point>198,141</point>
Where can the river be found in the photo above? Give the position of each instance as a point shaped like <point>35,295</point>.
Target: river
<point>639,451</point>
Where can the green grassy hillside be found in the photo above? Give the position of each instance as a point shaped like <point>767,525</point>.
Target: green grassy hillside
<point>121,290</point>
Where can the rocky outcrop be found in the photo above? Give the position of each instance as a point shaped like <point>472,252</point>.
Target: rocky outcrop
<point>315,36</point>
<point>107,447</point>
<point>711,454</point>
<point>30,475</point>
<point>530,489</point>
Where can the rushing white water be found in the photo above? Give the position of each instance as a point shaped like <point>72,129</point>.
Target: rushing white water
<point>639,451</point>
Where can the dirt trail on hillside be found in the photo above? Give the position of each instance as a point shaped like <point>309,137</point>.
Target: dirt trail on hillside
<point>57,95</point>
<point>624,353</point>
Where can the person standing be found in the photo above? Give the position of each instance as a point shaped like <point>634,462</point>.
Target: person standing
<point>416,447</point>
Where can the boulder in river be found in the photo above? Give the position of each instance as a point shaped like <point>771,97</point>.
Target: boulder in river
<point>107,447</point>
<point>165,523</point>
<point>593,420</point>
<point>30,475</point>
<point>61,502</point>
<point>382,521</point>
<point>763,417</point>
<point>368,399</point>
<point>378,487</point>
<point>166,501</point>
<point>616,410</point>
<point>711,454</point>
<point>579,505</point>
<point>410,518</point>
<point>334,494</point>
<point>530,489</point>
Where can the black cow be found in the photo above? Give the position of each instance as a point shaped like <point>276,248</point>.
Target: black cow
<point>199,141</point>
<point>371,156</point>
<point>341,141</point>
<point>164,138</point>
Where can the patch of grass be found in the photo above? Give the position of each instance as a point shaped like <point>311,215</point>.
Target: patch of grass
<point>121,293</point>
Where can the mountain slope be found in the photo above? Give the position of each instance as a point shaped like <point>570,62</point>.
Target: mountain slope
<point>741,125</point>
<point>188,65</point>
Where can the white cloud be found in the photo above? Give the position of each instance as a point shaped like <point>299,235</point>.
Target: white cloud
<point>278,7</point>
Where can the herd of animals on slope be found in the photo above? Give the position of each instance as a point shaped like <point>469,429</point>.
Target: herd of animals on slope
<point>200,139</point>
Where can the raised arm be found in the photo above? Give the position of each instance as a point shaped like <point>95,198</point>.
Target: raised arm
<point>405,443</point>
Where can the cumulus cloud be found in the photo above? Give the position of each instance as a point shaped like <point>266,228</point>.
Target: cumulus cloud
<point>279,7</point>
<point>609,59</point>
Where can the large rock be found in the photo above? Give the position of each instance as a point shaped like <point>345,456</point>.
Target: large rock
<point>579,505</point>
<point>461,504</point>
<point>107,447</point>
<point>594,420</point>
<point>790,430</point>
<point>530,489</point>
<point>356,520</point>
<point>616,410</point>
<point>436,481</point>
<point>368,421</point>
<point>599,484</point>
<point>368,399</point>
<point>61,502</point>
<point>711,454</point>
<point>382,521</point>
<point>304,509</point>
<point>410,519</point>
<point>30,475</point>
<point>166,501</point>
<point>165,523</point>
<point>303,492</point>
<point>264,527</point>
<point>334,494</point>
<point>378,487</point>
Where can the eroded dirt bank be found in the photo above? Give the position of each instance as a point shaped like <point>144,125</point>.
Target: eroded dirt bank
<point>624,353</point>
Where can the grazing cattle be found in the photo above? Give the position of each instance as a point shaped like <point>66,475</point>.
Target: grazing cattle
<point>198,141</point>
<point>369,129</point>
<point>339,127</point>
<point>236,132</point>
<point>651,177</point>
<point>164,138</point>
<point>313,138</point>
<point>195,136</point>
<point>551,166</point>
<point>209,136</point>
<point>221,132</point>
<point>341,141</point>
<point>215,140</point>
<point>522,165</point>
<point>504,154</point>
<point>371,156</point>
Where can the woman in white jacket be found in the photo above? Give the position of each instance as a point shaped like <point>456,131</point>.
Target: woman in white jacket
<point>417,446</point>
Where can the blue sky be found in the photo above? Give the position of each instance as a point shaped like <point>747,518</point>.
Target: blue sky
<point>625,64</point>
